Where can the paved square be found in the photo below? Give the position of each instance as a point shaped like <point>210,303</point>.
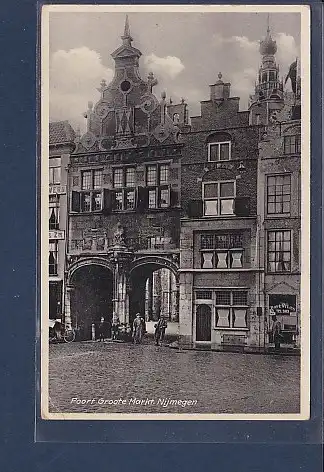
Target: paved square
<point>210,382</point>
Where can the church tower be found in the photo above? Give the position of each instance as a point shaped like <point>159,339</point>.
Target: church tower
<point>268,96</point>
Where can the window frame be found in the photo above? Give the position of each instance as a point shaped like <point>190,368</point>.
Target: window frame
<point>218,198</point>
<point>275,251</point>
<point>123,189</point>
<point>91,191</point>
<point>228,249</point>
<point>54,204</point>
<point>159,186</point>
<point>294,148</point>
<point>231,307</point>
<point>278,214</point>
<point>219,143</point>
<point>56,253</point>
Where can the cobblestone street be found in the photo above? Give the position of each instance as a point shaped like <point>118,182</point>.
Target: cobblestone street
<point>213,382</point>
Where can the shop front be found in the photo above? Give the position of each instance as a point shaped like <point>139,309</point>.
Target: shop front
<point>284,306</point>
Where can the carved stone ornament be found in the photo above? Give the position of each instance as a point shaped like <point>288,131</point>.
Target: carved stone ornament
<point>124,142</point>
<point>119,235</point>
<point>149,103</point>
<point>161,133</point>
<point>102,110</point>
<point>88,140</point>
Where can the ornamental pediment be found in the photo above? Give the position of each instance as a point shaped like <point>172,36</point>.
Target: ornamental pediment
<point>126,51</point>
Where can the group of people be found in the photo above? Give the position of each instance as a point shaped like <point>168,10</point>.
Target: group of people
<point>135,333</point>
<point>139,329</point>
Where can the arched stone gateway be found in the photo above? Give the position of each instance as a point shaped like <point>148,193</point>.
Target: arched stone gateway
<point>158,261</point>
<point>89,295</point>
<point>154,288</point>
<point>82,262</point>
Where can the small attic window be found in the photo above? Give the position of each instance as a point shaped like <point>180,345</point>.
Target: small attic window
<point>219,147</point>
<point>176,118</point>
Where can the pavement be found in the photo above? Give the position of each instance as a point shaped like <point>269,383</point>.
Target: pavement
<point>103,374</point>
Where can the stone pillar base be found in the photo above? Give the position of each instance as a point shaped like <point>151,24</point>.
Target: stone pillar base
<point>185,342</point>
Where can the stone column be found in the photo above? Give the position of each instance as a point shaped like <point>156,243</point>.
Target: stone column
<point>186,308</point>
<point>157,290</point>
<point>175,300</point>
<point>67,307</point>
<point>150,297</point>
<point>121,258</point>
<point>121,305</point>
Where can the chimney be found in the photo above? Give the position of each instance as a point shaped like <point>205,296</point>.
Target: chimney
<point>220,90</point>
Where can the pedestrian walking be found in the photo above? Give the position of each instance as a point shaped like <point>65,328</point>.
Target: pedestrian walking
<point>276,332</point>
<point>138,329</point>
<point>160,328</point>
<point>102,328</point>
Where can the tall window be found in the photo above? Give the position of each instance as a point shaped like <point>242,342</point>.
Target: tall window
<point>220,151</point>
<point>292,144</point>
<point>91,190</point>
<point>279,251</point>
<point>124,185</point>
<point>53,257</point>
<point>279,191</point>
<point>218,198</point>
<point>54,208</point>
<point>231,309</point>
<point>54,170</point>
<point>221,250</point>
<point>157,181</point>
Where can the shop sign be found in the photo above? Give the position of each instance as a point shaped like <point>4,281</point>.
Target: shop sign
<point>56,234</point>
<point>57,189</point>
<point>282,304</point>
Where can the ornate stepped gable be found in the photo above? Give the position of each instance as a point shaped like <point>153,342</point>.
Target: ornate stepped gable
<point>128,115</point>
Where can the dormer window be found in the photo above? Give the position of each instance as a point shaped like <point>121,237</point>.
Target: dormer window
<point>219,151</point>
<point>176,118</point>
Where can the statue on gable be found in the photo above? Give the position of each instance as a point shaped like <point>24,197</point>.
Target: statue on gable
<point>119,236</point>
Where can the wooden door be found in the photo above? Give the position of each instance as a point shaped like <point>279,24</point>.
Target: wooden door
<point>203,323</point>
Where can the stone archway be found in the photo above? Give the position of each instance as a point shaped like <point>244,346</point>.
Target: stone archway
<point>89,296</point>
<point>154,288</point>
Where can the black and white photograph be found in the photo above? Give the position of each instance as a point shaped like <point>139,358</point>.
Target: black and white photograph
<point>175,212</point>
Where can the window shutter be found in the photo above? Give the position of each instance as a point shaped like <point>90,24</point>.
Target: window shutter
<point>242,206</point>
<point>195,208</point>
<point>107,201</point>
<point>75,203</point>
<point>174,198</point>
<point>142,198</point>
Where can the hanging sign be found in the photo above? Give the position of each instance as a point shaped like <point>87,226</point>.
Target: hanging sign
<point>56,234</point>
<point>57,189</point>
<point>282,304</point>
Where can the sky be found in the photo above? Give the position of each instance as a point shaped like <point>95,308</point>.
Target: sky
<point>186,51</point>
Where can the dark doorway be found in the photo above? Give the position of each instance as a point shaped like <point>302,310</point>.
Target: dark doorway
<point>91,299</point>
<point>153,293</point>
<point>203,323</point>
<point>55,300</point>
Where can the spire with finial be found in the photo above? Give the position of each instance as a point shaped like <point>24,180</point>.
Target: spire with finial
<point>268,47</point>
<point>127,39</point>
<point>219,81</point>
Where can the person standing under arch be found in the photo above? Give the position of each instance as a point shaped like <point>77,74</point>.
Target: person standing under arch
<point>138,330</point>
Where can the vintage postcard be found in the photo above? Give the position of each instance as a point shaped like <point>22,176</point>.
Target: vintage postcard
<point>175,212</point>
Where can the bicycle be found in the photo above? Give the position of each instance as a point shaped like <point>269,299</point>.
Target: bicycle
<point>61,333</point>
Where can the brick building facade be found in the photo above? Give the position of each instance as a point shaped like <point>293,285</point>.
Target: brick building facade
<point>199,221</point>
<point>124,206</point>
<point>240,231</point>
<point>61,144</point>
